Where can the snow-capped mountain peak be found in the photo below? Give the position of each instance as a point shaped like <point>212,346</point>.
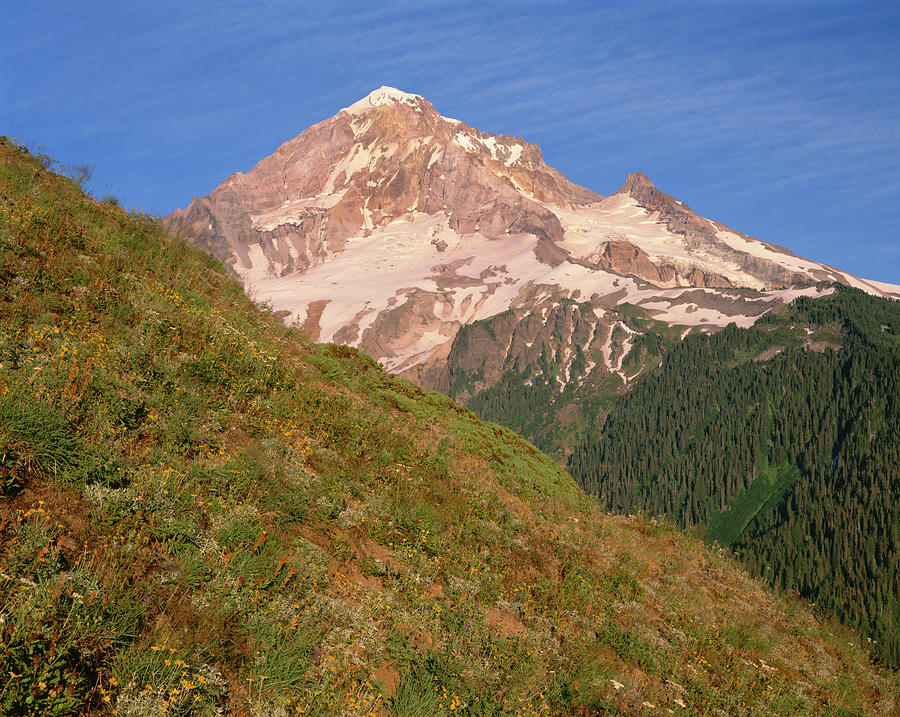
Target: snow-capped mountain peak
<point>392,229</point>
<point>385,95</point>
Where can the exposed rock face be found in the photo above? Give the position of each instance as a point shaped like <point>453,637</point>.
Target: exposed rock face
<point>624,257</point>
<point>522,340</point>
<point>390,227</point>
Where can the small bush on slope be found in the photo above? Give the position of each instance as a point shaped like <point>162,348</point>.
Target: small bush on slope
<point>211,514</point>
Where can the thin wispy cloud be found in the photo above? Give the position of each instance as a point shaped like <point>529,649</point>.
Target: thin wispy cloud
<point>773,117</point>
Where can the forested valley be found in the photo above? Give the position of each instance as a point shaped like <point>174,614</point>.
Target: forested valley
<point>781,441</point>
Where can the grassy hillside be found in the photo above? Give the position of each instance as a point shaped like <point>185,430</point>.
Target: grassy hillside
<point>201,512</point>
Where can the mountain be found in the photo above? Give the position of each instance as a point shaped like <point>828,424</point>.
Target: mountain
<point>204,513</point>
<point>389,227</point>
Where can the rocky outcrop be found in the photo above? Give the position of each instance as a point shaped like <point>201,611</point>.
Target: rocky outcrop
<point>623,257</point>
<point>706,279</point>
<point>557,336</point>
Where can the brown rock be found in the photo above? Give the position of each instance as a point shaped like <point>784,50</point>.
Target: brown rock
<point>623,257</point>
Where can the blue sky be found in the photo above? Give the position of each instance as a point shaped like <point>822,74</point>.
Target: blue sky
<point>780,119</point>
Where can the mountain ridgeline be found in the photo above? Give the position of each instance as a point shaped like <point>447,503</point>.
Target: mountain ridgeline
<point>781,441</point>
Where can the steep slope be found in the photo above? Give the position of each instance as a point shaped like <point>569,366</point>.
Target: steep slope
<point>203,512</point>
<point>539,374</point>
<point>782,441</point>
<point>388,227</point>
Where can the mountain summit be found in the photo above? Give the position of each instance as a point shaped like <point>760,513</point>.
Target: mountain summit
<point>390,226</point>
<point>385,95</point>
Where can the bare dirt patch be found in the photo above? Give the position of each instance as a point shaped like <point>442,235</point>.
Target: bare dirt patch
<point>504,621</point>
<point>388,678</point>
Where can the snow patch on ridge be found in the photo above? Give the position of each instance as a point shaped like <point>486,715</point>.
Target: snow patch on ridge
<point>620,218</point>
<point>508,154</point>
<point>890,289</point>
<point>357,159</point>
<point>515,151</point>
<point>464,141</point>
